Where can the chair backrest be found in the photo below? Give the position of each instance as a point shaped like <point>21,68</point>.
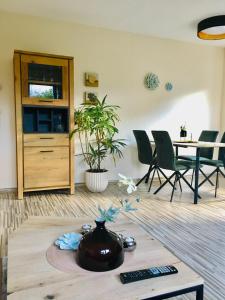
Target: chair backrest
<point>143,146</point>
<point>164,150</point>
<point>208,136</point>
<point>222,150</point>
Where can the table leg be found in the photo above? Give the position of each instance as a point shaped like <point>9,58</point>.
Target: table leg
<point>3,277</point>
<point>176,151</point>
<point>200,292</point>
<point>196,175</point>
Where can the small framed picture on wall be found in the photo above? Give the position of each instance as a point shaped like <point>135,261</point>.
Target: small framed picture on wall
<point>90,97</point>
<point>91,79</point>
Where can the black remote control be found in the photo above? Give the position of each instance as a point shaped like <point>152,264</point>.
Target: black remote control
<point>152,272</point>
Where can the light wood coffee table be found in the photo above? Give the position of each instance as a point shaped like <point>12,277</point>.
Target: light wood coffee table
<point>31,277</point>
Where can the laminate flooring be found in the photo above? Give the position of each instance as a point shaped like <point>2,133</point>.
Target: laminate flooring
<point>195,233</point>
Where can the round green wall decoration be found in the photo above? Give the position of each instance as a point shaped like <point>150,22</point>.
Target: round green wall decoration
<point>168,86</point>
<point>152,81</point>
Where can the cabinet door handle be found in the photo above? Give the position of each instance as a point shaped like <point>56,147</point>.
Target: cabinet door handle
<point>46,138</point>
<point>47,151</point>
<point>45,100</point>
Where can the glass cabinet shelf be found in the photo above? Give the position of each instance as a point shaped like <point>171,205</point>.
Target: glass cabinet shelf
<point>43,72</point>
<point>45,80</point>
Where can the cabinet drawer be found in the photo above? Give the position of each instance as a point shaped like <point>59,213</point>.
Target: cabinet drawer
<point>44,102</point>
<point>45,140</point>
<point>46,167</point>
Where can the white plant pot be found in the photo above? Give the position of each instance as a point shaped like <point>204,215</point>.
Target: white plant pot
<point>96,182</point>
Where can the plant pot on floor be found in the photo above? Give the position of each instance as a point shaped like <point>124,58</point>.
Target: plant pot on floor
<point>96,182</point>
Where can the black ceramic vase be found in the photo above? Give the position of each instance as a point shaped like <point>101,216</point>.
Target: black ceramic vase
<point>100,250</point>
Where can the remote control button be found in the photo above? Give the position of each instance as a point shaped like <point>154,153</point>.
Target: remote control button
<point>154,271</point>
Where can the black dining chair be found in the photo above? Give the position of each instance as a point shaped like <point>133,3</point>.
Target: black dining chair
<point>217,164</point>
<point>146,155</point>
<point>166,160</point>
<point>205,153</point>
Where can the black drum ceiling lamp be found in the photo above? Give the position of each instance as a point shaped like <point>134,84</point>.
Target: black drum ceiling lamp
<point>212,28</point>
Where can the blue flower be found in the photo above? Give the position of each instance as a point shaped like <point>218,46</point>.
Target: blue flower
<point>110,214</point>
<point>127,206</point>
<point>69,241</point>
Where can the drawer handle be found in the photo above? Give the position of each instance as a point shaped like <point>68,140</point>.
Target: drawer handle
<point>46,138</point>
<point>44,100</point>
<point>47,151</point>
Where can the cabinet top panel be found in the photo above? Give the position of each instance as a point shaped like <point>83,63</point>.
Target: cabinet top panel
<point>42,54</point>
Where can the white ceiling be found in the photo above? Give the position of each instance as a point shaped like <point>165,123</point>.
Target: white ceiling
<point>173,19</point>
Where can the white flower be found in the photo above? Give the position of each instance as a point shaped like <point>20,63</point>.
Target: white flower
<point>110,214</point>
<point>131,187</point>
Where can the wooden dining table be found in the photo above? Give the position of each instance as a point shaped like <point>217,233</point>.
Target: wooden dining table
<point>197,145</point>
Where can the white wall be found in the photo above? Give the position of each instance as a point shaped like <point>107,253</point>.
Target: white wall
<point>121,60</point>
<point>222,115</point>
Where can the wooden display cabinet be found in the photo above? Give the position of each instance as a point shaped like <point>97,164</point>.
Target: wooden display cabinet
<point>44,99</point>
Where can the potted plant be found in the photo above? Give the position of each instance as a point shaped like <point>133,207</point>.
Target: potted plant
<point>100,249</point>
<point>95,126</point>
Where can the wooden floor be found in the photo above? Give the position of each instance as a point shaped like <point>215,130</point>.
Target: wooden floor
<point>195,233</point>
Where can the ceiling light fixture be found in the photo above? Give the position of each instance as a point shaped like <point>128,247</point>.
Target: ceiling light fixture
<point>212,28</point>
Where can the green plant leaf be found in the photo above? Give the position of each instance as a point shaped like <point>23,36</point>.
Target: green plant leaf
<point>96,128</point>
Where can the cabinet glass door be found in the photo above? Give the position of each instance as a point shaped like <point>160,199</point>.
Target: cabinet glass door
<point>44,80</point>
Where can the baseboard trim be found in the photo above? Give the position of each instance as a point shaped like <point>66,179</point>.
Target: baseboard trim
<point>13,190</point>
<point>8,190</point>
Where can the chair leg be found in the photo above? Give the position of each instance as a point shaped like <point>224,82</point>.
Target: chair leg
<point>180,184</point>
<point>145,176</point>
<point>185,172</point>
<point>153,175</point>
<point>164,175</point>
<point>158,176</point>
<point>174,186</point>
<point>188,184</point>
<point>221,172</point>
<point>192,176</point>
<point>140,181</point>
<point>148,174</point>
<point>218,185</point>
<point>164,183</point>
<point>217,181</point>
<point>206,177</point>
